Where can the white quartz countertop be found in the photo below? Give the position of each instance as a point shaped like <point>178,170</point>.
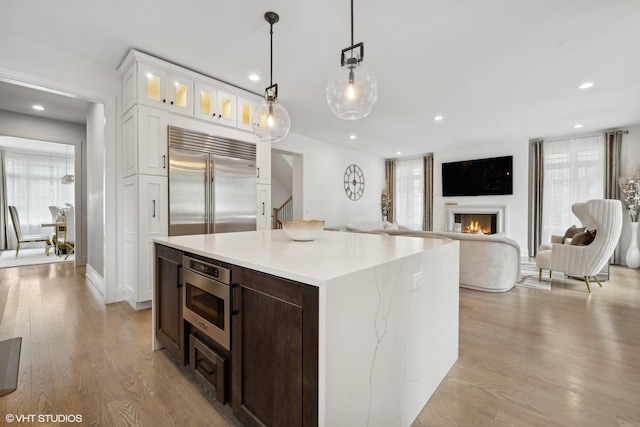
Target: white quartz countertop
<point>333,254</point>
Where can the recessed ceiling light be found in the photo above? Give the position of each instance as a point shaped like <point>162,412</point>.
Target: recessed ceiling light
<point>352,137</point>
<point>254,77</point>
<point>577,126</point>
<point>38,107</point>
<point>398,153</point>
<point>438,118</point>
<point>585,85</point>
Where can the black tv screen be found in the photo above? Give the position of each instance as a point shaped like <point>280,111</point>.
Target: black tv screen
<point>481,177</point>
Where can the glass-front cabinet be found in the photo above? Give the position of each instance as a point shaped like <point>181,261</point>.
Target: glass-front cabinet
<point>245,109</point>
<point>227,108</point>
<point>159,88</point>
<point>215,105</point>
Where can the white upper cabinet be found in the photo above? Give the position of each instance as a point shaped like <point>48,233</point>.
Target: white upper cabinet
<point>158,87</point>
<point>227,108</point>
<point>150,81</point>
<point>145,141</point>
<point>263,162</point>
<point>245,109</point>
<point>215,105</point>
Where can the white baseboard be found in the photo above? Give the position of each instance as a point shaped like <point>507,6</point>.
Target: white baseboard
<point>96,279</point>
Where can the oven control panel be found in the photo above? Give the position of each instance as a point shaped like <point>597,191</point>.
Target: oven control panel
<point>221,274</point>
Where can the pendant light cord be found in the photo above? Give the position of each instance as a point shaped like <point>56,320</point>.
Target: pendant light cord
<point>271,67</point>
<point>351,26</point>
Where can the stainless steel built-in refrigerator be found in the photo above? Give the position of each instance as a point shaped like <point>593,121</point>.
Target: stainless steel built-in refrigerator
<point>212,184</point>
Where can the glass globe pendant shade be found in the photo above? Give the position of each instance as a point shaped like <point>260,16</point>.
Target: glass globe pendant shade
<point>270,121</point>
<point>352,90</point>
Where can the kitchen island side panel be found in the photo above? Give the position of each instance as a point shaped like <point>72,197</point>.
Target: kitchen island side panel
<point>385,345</point>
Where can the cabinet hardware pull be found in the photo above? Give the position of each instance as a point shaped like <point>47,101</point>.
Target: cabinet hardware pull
<point>262,208</point>
<point>171,102</point>
<point>154,209</point>
<point>219,115</point>
<point>234,310</point>
<point>164,101</point>
<point>258,172</point>
<point>164,161</point>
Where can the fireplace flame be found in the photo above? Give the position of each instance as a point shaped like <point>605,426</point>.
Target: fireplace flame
<point>474,227</point>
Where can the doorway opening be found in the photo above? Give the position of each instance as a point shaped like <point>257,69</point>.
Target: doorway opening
<point>286,187</point>
<point>38,181</point>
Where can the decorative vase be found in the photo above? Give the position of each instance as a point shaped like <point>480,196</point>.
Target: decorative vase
<point>633,253</point>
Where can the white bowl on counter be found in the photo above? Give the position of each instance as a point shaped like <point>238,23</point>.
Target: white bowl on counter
<point>303,230</point>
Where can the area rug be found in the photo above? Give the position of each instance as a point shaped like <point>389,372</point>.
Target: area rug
<point>529,276</point>
<point>30,256</point>
<point>9,364</point>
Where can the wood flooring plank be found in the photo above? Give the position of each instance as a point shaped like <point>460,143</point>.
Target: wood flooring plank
<point>527,357</point>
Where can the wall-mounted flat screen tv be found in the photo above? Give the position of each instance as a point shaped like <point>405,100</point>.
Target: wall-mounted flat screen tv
<point>481,177</point>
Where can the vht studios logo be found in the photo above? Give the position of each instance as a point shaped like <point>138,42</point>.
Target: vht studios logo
<point>43,418</point>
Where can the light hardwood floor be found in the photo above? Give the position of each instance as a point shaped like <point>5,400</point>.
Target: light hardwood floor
<point>527,357</point>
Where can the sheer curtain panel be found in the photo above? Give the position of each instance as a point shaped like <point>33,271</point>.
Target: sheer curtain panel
<point>573,172</point>
<point>33,183</point>
<point>409,193</point>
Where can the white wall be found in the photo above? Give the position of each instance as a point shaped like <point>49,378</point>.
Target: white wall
<point>95,189</point>
<point>323,181</point>
<point>55,70</point>
<point>630,158</point>
<point>281,178</point>
<point>516,204</point>
<point>40,129</point>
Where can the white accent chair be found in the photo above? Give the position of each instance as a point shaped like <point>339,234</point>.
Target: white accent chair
<point>604,216</point>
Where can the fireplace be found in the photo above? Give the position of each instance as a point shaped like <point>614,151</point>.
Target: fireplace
<point>476,219</point>
<point>476,223</point>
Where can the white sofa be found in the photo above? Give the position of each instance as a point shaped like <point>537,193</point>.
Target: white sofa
<point>373,226</point>
<point>488,262</point>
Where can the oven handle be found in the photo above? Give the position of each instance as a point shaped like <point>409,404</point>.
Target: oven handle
<point>234,310</point>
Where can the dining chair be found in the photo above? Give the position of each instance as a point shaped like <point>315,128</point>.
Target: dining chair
<point>28,238</point>
<point>67,233</point>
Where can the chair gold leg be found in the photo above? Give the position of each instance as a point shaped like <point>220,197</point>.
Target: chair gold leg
<point>550,273</point>
<point>17,249</point>
<point>539,275</point>
<point>586,280</point>
<point>597,280</point>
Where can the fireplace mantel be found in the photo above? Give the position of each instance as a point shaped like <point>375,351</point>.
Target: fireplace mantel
<point>498,210</point>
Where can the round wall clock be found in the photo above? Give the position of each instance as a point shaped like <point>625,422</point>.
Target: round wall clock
<point>353,182</point>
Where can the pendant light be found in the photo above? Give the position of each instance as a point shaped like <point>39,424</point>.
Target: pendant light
<point>270,120</point>
<point>67,179</point>
<point>353,89</point>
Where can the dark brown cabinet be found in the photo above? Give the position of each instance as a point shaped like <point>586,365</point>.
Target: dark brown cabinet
<point>274,347</point>
<point>168,294</point>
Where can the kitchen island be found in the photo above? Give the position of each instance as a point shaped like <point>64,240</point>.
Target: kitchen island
<point>387,316</point>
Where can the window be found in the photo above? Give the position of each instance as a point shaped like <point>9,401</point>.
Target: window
<point>573,172</point>
<point>409,193</point>
<point>33,183</point>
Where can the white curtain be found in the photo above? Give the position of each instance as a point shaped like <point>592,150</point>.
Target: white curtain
<point>573,172</point>
<point>33,183</point>
<point>409,193</point>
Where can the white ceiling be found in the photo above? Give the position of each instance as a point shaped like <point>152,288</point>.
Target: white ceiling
<point>497,70</point>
